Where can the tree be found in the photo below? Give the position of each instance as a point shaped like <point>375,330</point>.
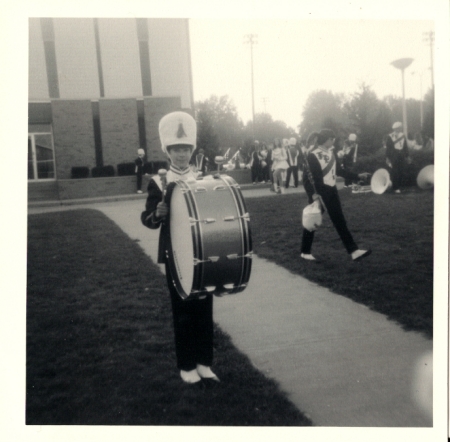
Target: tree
<point>323,109</point>
<point>206,137</point>
<point>224,120</point>
<point>266,129</point>
<point>369,118</point>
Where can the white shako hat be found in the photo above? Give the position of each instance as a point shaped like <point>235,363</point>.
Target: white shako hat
<point>141,152</point>
<point>292,141</point>
<point>177,128</point>
<point>397,125</point>
<point>352,137</point>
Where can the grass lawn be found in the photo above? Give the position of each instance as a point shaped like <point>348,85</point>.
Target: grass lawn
<point>100,340</point>
<point>396,280</point>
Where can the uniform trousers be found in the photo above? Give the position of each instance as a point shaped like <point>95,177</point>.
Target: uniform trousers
<point>193,327</point>
<point>293,170</point>
<point>398,169</point>
<point>330,198</point>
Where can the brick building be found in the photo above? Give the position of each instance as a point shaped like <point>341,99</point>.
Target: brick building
<point>97,90</point>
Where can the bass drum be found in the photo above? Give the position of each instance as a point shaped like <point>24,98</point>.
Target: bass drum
<point>210,251</point>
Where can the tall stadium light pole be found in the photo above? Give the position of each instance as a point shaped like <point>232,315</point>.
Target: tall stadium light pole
<point>251,39</point>
<point>402,64</point>
<point>429,38</point>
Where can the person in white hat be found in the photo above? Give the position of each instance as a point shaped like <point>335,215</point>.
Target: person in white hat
<point>292,158</point>
<point>138,169</point>
<point>193,318</point>
<point>397,155</point>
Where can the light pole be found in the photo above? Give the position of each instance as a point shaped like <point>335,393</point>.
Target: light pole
<point>251,39</point>
<point>402,64</point>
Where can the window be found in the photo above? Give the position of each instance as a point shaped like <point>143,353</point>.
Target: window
<point>41,159</point>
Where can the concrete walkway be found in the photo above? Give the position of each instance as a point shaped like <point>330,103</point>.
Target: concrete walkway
<point>339,362</point>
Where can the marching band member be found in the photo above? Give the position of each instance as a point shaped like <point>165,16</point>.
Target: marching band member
<point>348,155</point>
<point>324,168</point>
<point>397,155</point>
<point>292,158</point>
<point>192,318</point>
<point>139,169</point>
<point>201,162</point>
<point>255,164</point>
<point>279,166</point>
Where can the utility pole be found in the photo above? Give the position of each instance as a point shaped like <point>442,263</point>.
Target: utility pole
<point>251,39</point>
<point>429,38</point>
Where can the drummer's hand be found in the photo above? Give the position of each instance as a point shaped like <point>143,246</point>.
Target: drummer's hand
<point>364,175</point>
<point>315,197</point>
<point>162,210</point>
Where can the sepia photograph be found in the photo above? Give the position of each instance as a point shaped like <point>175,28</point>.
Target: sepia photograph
<point>234,221</point>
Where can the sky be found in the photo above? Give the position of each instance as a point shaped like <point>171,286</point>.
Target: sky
<point>294,57</point>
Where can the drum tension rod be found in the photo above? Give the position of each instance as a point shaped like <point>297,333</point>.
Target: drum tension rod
<point>205,221</point>
<point>236,256</point>
<point>246,216</point>
<point>210,259</point>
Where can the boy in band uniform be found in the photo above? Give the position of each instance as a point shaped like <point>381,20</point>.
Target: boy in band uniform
<point>192,318</point>
<point>324,169</point>
<point>397,155</point>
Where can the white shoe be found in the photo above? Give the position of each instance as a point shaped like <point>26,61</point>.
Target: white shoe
<point>307,256</point>
<point>190,377</point>
<point>139,191</point>
<point>206,373</point>
<point>359,254</point>
<point>398,191</point>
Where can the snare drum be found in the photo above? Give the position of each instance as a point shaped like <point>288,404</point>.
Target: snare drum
<point>210,249</point>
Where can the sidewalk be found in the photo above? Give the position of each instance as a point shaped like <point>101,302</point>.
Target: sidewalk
<point>339,362</point>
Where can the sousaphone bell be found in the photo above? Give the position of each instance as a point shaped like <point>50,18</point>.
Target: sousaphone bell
<point>381,181</point>
<point>425,179</point>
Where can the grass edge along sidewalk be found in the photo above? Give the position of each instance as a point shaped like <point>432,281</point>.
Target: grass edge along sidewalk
<point>100,341</point>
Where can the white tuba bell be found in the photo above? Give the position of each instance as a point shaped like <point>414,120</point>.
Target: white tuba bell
<point>425,179</point>
<point>381,181</point>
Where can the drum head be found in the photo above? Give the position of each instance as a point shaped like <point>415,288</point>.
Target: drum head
<point>181,239</point>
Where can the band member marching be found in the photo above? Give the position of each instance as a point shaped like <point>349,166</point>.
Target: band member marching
<point>193,318</point>
<point>322,169</point>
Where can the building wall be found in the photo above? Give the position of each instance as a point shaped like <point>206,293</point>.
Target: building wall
<point>119,48</point>
<point>170,59</point>
<point>119,130</point>
<point>74,62</point>
<point>37,71</point>
<point>73,135</point>
<point>76,58</point>
<point>155,108</point>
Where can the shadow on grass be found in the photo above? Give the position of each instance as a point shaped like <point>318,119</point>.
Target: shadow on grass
<point>100,340</point>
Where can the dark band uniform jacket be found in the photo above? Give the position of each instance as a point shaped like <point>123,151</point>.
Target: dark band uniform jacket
<point>325,169</point>
<point>154,197</point>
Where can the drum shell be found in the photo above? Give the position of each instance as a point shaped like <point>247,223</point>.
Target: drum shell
<point>220,235</point>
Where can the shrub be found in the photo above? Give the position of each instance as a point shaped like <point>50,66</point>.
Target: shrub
<point>102,171</point>
<point>79,172</point>
<point>126,169</point>
<point>148,168</point>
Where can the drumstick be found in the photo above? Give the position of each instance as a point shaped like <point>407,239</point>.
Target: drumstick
<point>163,176</point>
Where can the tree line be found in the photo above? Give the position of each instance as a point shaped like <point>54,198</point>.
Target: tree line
<point>220,128</point>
